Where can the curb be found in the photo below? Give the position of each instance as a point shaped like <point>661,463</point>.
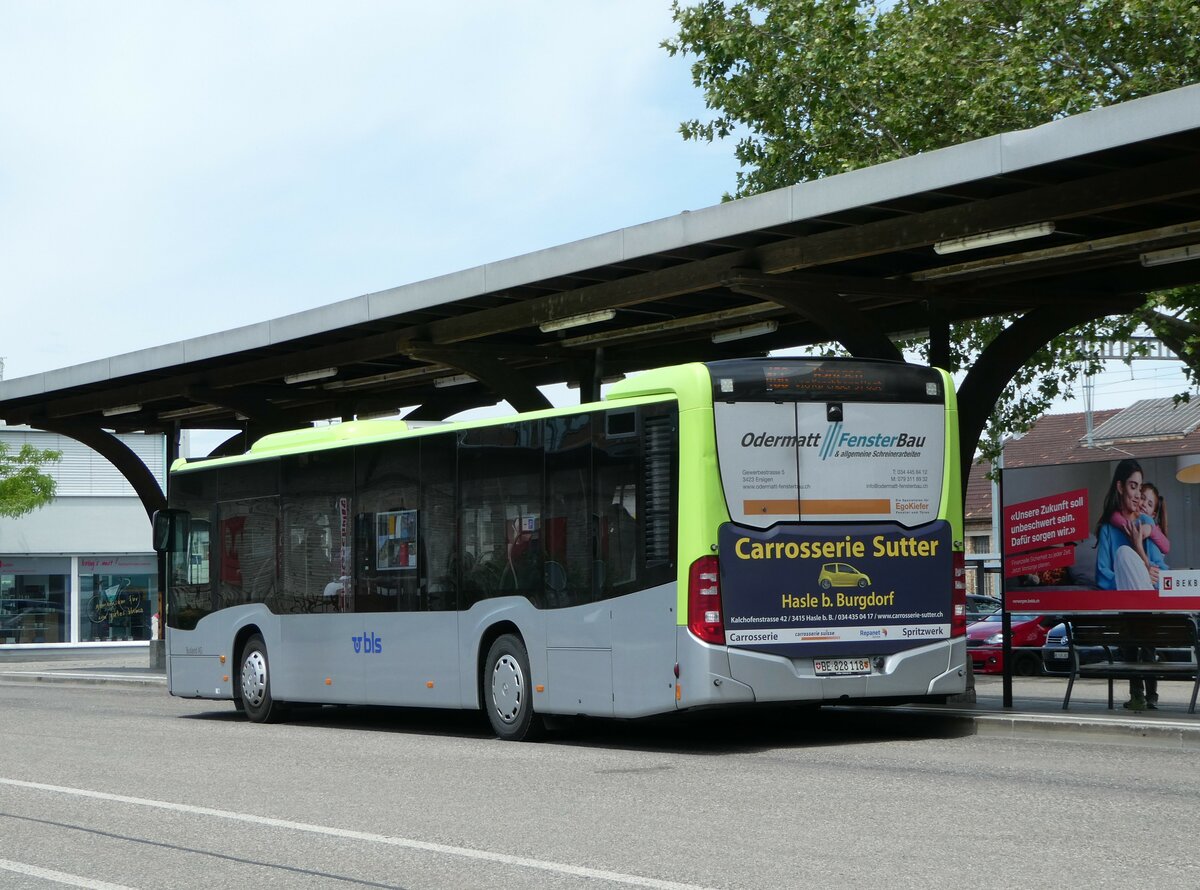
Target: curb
<point>1150,733</point>
<point>84,677</point>
<point>1160,733</point>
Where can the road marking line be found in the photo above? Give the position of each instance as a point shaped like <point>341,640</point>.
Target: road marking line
<point>60,877</point>
<point>407,843</point>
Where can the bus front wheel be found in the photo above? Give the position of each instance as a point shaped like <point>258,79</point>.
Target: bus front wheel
<point>255,692</point>
<point>507,693</point>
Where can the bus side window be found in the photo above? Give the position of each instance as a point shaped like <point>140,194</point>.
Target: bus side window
<point>317,539</point>
<point>501,474</point>
<point>391,553</point>
<point>635,477</point>
<point>614,487</point>
<point>621,565</point>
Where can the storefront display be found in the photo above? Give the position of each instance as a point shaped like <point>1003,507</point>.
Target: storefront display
<point>116,602</point>
<point>33,599</point>
<point>117,597</point>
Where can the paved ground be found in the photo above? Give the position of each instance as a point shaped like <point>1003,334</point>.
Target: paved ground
<point>1037,701</point>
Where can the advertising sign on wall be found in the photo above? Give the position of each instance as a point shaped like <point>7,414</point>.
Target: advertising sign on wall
<point>1111,535</point>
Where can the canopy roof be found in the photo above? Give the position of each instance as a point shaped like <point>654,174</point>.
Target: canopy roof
<point>858,258</point>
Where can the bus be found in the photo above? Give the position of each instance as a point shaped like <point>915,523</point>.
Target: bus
<point>712,534</point>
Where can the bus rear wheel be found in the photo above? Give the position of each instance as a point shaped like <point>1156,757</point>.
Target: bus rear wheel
<point>507,693</point>
<point>255,684</point>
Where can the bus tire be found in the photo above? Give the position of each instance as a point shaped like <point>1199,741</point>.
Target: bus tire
<point>254,681</point>
<point>508,692</point>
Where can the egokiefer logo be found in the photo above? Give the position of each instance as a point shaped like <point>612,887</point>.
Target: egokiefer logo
<point>367,644</point>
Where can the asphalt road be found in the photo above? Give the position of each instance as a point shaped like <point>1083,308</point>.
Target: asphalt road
<point>109,787</point>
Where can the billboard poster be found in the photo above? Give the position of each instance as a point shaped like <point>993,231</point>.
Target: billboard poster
<point>861,589</point>
<point>1111,535</point>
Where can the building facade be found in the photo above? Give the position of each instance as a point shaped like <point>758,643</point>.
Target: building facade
<point>80,571</point>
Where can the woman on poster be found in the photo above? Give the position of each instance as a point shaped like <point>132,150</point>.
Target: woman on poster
<point>1127,558</point>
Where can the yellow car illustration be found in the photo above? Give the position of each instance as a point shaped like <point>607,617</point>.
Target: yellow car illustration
<point>839,574</point>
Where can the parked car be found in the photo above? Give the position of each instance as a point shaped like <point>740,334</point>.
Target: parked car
<point>985,643</point>
<point>1056,655</point>
<point>979,606</point>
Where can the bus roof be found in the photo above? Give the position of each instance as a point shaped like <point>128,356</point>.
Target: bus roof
<point>689,383</point>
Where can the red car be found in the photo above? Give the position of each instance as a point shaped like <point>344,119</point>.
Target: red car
<point>985,643</point>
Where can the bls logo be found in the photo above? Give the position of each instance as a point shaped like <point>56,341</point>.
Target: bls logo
<point>367,643</point>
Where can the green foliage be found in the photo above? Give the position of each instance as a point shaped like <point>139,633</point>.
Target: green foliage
<point>817,87</point>
<point>23,487</point>
<point>811,88</point>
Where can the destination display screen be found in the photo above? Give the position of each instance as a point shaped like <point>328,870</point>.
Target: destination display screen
<point>824,380</point>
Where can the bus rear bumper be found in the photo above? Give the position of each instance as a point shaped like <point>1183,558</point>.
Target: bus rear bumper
<point>936,669</point>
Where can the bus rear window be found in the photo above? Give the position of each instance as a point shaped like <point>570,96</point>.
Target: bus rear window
<point>804,461</point>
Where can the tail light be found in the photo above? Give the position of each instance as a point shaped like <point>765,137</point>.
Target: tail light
<point>704,600</point>
<point>958,597</point>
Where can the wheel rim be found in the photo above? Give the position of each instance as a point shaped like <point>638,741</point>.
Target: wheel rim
<point>508,688</point>
<point>254,679</point>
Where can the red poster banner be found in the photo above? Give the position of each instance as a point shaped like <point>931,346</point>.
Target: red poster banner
<point>1041,561</point>
<point>1057,519</point>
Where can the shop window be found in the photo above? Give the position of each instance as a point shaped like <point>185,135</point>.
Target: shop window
<point>33,607</point>
<point>117,597</point>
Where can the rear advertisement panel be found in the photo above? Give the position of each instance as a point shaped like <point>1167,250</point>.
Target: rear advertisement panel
<point>1111,535</point>
<point>837,589</point>
<point>788,462</point>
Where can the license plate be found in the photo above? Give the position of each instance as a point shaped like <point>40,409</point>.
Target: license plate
<point>828,667</point>
<point>1062,655</point>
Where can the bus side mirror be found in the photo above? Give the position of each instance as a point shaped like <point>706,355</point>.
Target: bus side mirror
<point>170,530</point>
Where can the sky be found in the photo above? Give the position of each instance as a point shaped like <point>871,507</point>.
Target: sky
<point>173,169</point>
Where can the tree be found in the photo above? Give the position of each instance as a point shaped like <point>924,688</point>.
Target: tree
<point>812,88</point>
<point>23,487</point>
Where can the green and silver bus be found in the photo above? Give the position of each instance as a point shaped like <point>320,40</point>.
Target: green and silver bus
<point>724,533</point>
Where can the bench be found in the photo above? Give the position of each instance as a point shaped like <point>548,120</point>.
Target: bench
<point>1116,634</point>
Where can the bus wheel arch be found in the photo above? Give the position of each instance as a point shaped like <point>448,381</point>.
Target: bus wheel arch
<point>506,685</point>
<point>239,646</point>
